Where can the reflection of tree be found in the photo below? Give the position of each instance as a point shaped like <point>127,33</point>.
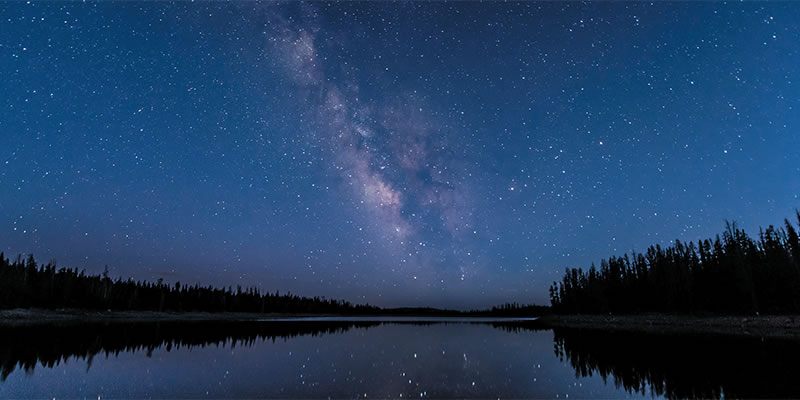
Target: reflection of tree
<point>27,346</point>
<point>673,366</point>
<point>684,366</point>
<point>519,326</point>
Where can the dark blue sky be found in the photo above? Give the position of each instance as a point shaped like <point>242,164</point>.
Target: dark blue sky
<point>452,154</point>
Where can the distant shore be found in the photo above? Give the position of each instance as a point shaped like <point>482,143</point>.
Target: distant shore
<point>785,326</point>
<point>20,316</point>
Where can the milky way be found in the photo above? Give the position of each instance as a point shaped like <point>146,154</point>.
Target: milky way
<point>452,154</point>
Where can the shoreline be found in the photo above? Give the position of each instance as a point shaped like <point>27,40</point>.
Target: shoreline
<point>22,316</point>
<point>774,326</point>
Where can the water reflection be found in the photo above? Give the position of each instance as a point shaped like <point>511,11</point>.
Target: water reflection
<point>314,358</point>
<point>50,345</point>
<point>693,366</point>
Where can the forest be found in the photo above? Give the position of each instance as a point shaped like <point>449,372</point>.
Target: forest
<point>732,274</point>
<point>25,284</point>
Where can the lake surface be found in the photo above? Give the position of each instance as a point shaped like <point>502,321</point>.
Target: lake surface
<point>390,357</point>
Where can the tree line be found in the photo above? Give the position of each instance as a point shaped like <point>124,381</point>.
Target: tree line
<point>731,274</point>
<point>26,284</point>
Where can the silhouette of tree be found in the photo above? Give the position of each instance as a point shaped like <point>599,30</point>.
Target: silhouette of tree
<point>27,284</point>
<point>732,274</point>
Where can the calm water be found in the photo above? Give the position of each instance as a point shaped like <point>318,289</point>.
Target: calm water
<point>388,358</point>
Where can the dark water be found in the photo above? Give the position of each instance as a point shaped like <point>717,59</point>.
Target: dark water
<point>358,358</point>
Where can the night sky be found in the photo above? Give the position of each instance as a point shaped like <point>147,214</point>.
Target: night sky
<point>447,154</point>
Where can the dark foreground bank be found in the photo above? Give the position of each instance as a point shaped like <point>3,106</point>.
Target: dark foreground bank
<point>785,326</point>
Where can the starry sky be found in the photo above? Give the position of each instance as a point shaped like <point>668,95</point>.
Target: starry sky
<point>454,154</point>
